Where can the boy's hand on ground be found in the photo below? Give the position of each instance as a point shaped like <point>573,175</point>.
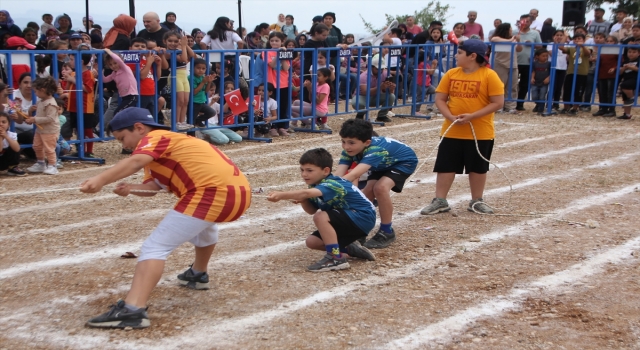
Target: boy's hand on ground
<point>122,189</point>
<point>274,196</point>
<point>92,185</point>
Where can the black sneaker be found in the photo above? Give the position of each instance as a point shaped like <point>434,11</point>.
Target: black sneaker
<point>121,317</point>
<point>609,114</point>
<point>199,281</point>
<point>628,102</point>
<point>600,113</point>
<point>624,116</point>
<point>520,108</point>
<point>356,250</point>
<point>329,263</point>
<point>384,119</point>
<point>15,171</point>
<point>565,111</point>
<point>572,112</point>
<point>381,240</point>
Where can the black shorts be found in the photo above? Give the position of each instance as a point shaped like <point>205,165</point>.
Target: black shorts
<point>90,120</point>
<point>458,155</point>
<point>628,84</point>
<point>398,178</point>
<point>346,230</point>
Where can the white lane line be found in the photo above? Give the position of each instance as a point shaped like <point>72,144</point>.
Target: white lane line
<point>42,207</point>
<point>442,332</point>
<point>534,139</point>
<point>226,332</point>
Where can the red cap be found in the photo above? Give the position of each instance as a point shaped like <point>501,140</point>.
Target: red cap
<point>16,41</point>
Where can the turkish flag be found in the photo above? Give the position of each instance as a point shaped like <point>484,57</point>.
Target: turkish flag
<point>452,38</point>
<point>256,102</point>
<point>235,102</point>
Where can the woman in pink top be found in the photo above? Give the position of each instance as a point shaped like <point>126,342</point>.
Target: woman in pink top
<point>124,78</point>
<point>322,102</point>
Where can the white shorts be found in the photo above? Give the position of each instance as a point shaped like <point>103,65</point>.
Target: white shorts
<point>175,229</point>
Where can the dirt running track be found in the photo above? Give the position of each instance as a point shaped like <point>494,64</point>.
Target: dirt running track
<point>454,280</point>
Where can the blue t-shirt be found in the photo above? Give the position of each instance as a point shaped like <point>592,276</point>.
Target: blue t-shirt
<point>383,154</point>
<point>338,193</point>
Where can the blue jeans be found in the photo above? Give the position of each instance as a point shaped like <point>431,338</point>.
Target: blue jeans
<point>387,100</point>
<point>539,93</point>
<point>148,102</point>
<point>353,82</point>
<point>423,93</point>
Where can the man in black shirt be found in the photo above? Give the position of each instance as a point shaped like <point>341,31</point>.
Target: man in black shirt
<point>153,30</point>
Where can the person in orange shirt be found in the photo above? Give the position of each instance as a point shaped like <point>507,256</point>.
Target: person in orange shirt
<point>210,188</point>
<point>468,94</point>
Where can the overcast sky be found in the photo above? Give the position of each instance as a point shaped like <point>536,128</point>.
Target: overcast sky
<point>203,13</point>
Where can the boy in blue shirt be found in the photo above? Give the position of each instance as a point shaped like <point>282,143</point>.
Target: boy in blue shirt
<point>342,214</point>
<point>391,162</point>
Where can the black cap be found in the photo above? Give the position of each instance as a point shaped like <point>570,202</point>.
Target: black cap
<point>330,14</point>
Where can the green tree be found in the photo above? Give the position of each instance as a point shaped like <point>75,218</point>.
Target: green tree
<point>434,11</point>
<point>632,6</point>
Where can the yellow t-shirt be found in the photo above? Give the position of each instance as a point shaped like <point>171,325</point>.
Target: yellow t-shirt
<point>467,94</point>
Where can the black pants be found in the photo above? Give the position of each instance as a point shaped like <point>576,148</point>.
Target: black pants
<point>9,159</point>
<point>569,90</point>
<point>558,85</point>
<point>26,138</point>
<point>523,84</point>
<point>284,106</point>
<point>605,93</point>
<point>207,112</point>
<point>126,102</point>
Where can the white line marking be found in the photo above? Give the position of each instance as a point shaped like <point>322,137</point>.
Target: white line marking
<point>533,139</point>
<point>42,207</point>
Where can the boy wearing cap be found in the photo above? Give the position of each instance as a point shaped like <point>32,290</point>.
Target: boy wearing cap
<point>210,188</point>
<point>376,82</point>
<point>467,96</point>
<point>75,40</point>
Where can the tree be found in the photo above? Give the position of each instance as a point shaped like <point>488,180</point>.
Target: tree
<point>631,6</point>
<point>434,11</point>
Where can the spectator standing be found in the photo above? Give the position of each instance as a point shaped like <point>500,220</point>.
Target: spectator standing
<point>496,23</point>
<point>505,64</point>
<point>170,22</point>
<point>621,14</point>
<point>559,38</point>
<point>289,29</point>
<point>279,24</point>
<point>63,24</point>
<point>536,24</point>
<point>606,80</point>
<point>548,31</point>
<point>473,28</point>
<point>526,35</point>
<point>540,77</point>
<point>625,31</point>
<point>412,27</point>
<point>578,67</point>
<point>598,24</point>
<point>7,26</point>
<point>152,30</point>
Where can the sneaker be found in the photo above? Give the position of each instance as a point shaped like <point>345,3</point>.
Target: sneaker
<point>59,164</point>
<point>199,281</point>
<point>90,155</point>
<point>183,126</point>
<point>624,116</point>
<point>282,132</point>
<point>15,171</point>
<point>438,205</point>
<point>520,108</point>
<point>50,170</point>
<point>609,114</point>
<point>628,102</point>
<point>480,207</point>
<point>572,112</point>
<point>329,263</point>
<point>418,114</point>
<point>356,250</point>
<point>244,134</point>
<point>294,124</point>
<point>391,114</point>
<point>381,240</point>
<point>585,109</point>
<point>565,111</point>
<point>273,133</point>
<point>383,119</point>
<point>513,111</point>
<point>599,113</point>
<point>324,127</point>
<point>36,168</point>
<point>121,317</point>
<point>291,130</point>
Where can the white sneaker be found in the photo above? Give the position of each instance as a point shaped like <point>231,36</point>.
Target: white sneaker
<point>37,168</point>
<point>182,126</point>
<point>59,164</point>
<point>324,127</point>
<point>50,170</point>
<point>391,114</point>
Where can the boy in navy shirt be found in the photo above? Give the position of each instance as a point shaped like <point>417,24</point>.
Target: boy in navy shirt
<point>391,162</point>
<point>342,214</point>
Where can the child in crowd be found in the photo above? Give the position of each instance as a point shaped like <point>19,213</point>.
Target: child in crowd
<point>629,72</point>
<point>124,78</point>
<point>561,67</point>
<point>260,115</point>
<point>423,81</point>
<point>45,137</point>
<point>458,30</point>
<point>276,39</point>
<point>391,163</point>
<point>62,148</point>
<point>469,93</point>
<point>317,39</point>
<point>540,76</point>
<point>210,188</point>
<point>90,120</point>
<point>202,84</point>
<point>289,29</point>
<point>220,136</point>
<point>47,24</point>
<point>606,80</point>
<point>342,213</point>
<point>322,100</point>
<point>580,72</point>
<point>174,41</point>
<point>147,80</point>
<point>10,152</point>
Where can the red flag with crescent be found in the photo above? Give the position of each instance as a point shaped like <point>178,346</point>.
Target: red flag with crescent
<point>236,103</point>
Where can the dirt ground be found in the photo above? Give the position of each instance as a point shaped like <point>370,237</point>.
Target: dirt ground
<point>567,279</point>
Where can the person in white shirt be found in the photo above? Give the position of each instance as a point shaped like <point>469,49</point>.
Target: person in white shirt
<point>535,22</point>
<point>222,37</point>
<point>559,38</point>
<point>621,14</point>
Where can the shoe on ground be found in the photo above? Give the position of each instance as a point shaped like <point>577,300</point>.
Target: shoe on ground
<point>438,205</point>
<point>356,250</point>
<point>329,263</point>
<point>535,110</point>
<point>50,170</point>
<point>282,132</point>
<point>520,108</point>
<point>572,112</point>
<point>183,126</point>
<point>121,317</point>
<point>291,130</point>
<point>624,116</point>
<point>628,102</point>
<point>391,114</point>
<point>15,171</point>
<point>585,109</point>
<point>59,164</point>
<point>198,281</point>
<point>600,113</point>
<point>479,206</point>
<point>324,127</point>
<point>37,168</point>
<point>609,114</point>
<point>418,114</point>
<point>565,111</point>
<point>381,240</point>
<point>383,119</point>
<point>273,133</point>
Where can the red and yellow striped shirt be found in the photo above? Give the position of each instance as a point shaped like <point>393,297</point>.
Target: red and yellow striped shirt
<point>210,186</point>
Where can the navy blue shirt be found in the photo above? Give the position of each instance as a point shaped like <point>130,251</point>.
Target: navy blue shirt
<point>338,193</point>
<point>383,154</point>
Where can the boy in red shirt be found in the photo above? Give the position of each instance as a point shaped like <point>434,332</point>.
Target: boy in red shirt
<point>89,118</point>
<point>147,81</point>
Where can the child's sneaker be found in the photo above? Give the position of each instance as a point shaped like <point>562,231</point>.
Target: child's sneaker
<point>609,114</point>
<point>199,281</point>
<point>329,263</point>
<point>479,206</point>
<point>381,240</point>
<point>273,133</point>
<point>356,250</point>
<point>282,132</point>
<point>438,205</point>
<point>36,168</point>
<point>628,102</point>
<point>599,113</point>
<point>121,317</point>
<point>15,171</point>
<point>50,170</point>
<point>59,164</point>
<point>183,126</point>
<point>624,116</point>
<point>324,127</point>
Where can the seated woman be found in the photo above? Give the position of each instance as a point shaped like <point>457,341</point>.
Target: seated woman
<point>24,100</point>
